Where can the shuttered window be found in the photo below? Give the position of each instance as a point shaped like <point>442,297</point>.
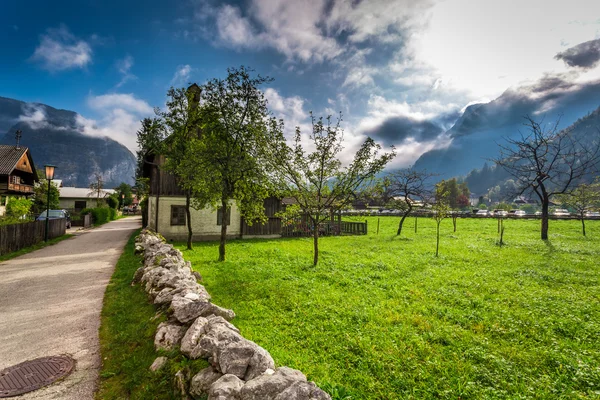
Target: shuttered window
<point>177,215</point>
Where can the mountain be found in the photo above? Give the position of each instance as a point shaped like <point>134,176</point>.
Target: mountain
<point>477,133</point>
<point>54,137</point>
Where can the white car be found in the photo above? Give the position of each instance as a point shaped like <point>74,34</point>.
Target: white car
<point>482,213</point>
<point>561,212</point>
<point>520,213</point>
<point>592,214</point>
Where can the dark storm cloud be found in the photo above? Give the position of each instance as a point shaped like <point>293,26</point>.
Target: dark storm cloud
<point>396,129</point>
<point>585,55</point>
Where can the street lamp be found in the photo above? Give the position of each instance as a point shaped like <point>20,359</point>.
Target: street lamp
<point>122,200</point>
<point>49,176</point>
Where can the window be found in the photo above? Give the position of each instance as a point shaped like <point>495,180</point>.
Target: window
<point>177,215</point>
<point>80,204</point>
<point>220,216</point>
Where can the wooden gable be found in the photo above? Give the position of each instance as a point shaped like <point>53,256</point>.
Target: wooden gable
<point>24,163</point>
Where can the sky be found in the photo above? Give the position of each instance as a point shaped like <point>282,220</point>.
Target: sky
<point>396,69</point>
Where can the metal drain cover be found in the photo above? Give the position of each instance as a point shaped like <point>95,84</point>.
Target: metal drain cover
<point>34,374</point>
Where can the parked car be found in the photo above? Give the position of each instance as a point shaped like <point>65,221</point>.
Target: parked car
<point>519,213</point>
<point>56,214</point>
<point>591,214</point>
<point>482,213</point>
<point>500,213</point>
<point>538,213</point>
<point>561,212</point>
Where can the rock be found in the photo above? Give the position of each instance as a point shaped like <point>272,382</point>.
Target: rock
<point>244,359</point>
<point>181,383</point>
<point>226,388</point>
<point>268,387</point>
<point>186,310</point>
<point>192,335</point>
<point>300,390</point>
<point>197,276</point>
<point>202,381</point>
<point>137,276</point>
<point>158,363</point>
<point>168,336</point>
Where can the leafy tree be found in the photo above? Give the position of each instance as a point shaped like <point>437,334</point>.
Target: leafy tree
<point>457,192</point>
<point>227,162</point>
<point>112,201</point>
<point>124,194</point>
<point>548,162</point>
<point>405,187</point>
<point>582,199</point>
<point>17,208</point>
<point>316,179</point>
<point>182,123</point>
<point>441,210</point>
<point>40,198</point>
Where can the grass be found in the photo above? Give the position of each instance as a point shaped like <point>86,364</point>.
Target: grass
<point>128,325</point>
<point>381,317</point>
<point>36,246</point>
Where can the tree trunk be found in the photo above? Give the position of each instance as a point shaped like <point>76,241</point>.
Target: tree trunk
<point>316,243</point>
<point>583,225</point>
<point>454,222</point>
<point>416,220</point>
<point>223,231</point>
<point>401,223</point>
<point>437,244</point>
<point>545,203</point>
<point>188,219</point>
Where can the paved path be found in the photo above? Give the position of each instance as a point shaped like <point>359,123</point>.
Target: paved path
<point>50,302</point>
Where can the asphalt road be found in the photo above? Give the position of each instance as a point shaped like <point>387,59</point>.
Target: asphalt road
<point>50,303</point>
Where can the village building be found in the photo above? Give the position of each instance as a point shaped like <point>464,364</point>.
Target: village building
<point>17,174</point>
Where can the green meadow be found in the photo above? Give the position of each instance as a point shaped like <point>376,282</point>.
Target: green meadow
<point>380,317</point>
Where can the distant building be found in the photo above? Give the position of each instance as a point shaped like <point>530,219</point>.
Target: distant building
<point>76,199</point>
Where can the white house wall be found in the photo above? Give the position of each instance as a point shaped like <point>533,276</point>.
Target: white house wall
<point>204,222</point>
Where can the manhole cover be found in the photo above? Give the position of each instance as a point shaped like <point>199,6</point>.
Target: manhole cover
<point>34,374</point>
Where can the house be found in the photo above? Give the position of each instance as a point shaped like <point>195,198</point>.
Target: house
<point>17,173</point>
<point>76,199</point>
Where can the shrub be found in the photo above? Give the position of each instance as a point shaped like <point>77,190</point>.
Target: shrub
<point>18,208</point>
<point>100,215</point>
<point>112,201</point>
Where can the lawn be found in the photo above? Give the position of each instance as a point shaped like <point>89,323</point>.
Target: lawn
<point>381,317</point>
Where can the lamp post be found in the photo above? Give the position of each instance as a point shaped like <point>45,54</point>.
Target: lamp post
<point>49,176</point>
<point>122,200</point>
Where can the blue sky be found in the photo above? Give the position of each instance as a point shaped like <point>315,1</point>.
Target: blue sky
<point>376,61</point>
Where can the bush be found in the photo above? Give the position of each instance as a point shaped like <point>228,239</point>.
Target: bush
<point>112,201</point>
<point>18,208</point>
<point>100,215</point>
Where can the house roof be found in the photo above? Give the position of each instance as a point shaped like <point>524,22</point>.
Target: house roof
<point>9,157</point>
<point>81,193</point>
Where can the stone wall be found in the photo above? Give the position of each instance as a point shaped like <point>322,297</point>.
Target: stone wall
<point>239,368</point>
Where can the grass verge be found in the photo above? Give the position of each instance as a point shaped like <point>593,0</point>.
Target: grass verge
<point>128,325</point>
<point>381,317</point>
<point>37,246</point>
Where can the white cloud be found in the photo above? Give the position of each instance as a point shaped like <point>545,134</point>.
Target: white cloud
<point>34,115</point>
<point>120,116</point>
<point>124,67</point>
<point>182,75</point>
<point>126,102</point>
<point>60,50</point>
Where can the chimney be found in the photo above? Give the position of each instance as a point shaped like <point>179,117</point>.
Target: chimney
<point>18,135</point>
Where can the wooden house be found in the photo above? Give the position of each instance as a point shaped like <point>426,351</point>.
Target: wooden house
<point>17,172</point>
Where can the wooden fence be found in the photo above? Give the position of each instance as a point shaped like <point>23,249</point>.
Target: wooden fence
<point>271,227</point>
<point>303,228</point>
<point>15,237</point>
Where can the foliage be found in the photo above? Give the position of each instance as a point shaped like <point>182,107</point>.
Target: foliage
<point>583,199</point>
<point>548,162</point>
<point>124,195</point>
<point>503,206</point>
<point>316,180</point>
<point>381,318</point>
<point>150,139</point>
<point>97,190</point>
<point>112,201</point>
<point>404,187</point>
<point>230,154</point>
<point>40,199</point>
<point>456,193</point>
<point>18,208</point>
<point>100,215</point>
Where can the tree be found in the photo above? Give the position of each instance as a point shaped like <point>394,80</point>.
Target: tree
<point>124,194</point>
<point>97,189</point>
<point>582,199</point>
<point>441,210</point>
<point>406,186</point>
<point>18,208</point>
<point>231,151</point>
<point>182,123</point>
<point>316,179</point>
<point>150,140</point>
<point>40,198</point>
<point>548,162</point>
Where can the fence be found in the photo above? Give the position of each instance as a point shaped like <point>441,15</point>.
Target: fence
<point>327,228</point>
<point>17,236</point>
<point>84,221</point>
<point>271,227</point>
